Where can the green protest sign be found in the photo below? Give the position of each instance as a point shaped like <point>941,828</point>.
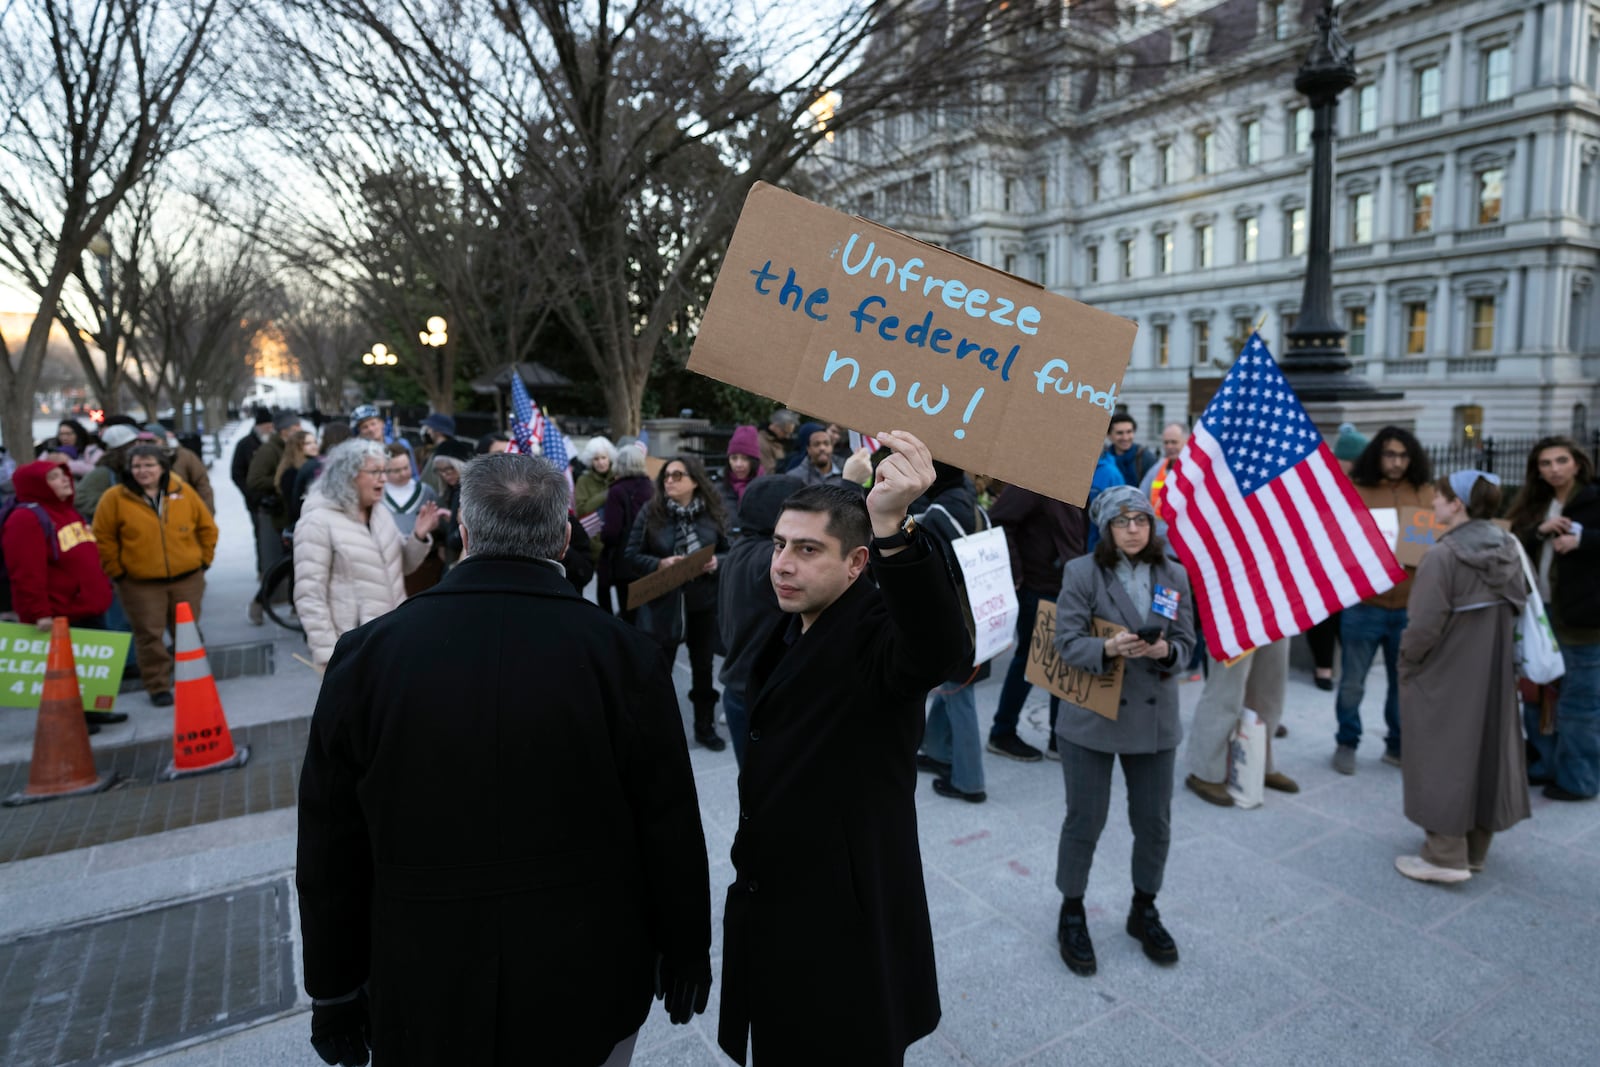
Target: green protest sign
<point>24,654</point>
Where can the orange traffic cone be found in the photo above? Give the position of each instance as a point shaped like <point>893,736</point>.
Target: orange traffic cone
<point>63,765</point>
<point>200,738</point>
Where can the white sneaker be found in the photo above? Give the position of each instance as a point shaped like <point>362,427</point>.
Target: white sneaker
<point>1419,869</point>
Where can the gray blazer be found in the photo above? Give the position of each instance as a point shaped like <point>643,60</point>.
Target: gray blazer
<point>1147,720</point>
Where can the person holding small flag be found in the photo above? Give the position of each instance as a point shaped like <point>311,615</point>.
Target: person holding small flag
<point>1128,580</point>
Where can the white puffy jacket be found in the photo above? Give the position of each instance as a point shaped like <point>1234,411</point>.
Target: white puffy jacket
<point>346,571</point>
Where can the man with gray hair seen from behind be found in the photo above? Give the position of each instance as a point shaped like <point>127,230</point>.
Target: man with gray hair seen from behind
<point>492,871</point>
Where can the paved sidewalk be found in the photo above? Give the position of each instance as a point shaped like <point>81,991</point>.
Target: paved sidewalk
<point>1300,943</point>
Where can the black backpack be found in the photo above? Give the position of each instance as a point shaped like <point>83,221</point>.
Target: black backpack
<point>46,527</point>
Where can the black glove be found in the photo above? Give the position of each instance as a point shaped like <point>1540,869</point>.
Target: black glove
<point>339,1030</point>
<point>684,990</point>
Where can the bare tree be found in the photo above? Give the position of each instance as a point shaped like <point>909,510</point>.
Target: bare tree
<point>105,308</point>
<point>207,299</point>
<point>323,334</point>
<point>610,146</point>
<point>96,95</point>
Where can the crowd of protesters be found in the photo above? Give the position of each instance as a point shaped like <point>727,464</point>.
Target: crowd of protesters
<point>789,528</point>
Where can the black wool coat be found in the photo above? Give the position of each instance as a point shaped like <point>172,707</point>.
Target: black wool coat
<point>827,948</point>
<point>498,824</point>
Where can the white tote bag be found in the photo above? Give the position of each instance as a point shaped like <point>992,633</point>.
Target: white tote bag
<point>1247,760</point>
<point>1538,655</point>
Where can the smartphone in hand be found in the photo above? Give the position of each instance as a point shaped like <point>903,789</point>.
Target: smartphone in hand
<point>1151,634</point>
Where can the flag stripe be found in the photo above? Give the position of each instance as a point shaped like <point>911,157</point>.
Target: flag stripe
<point>1376,555</point>
<point>1320,588</point>
<point>1215,510</point>
<point>1334,552</point>
<point>1316,599</point>
<point>1221,628</point>
<point>1289,604</point>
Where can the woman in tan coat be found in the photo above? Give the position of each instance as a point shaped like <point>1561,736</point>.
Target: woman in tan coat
<point>350,559</point>
<point>156,539</point>
<point>1465,779</point>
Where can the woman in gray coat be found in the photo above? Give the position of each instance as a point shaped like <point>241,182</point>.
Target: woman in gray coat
<point>1468,778</point>
<point>1128,581</point>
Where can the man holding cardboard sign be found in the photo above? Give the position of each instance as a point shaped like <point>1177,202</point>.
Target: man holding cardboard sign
<point>1391,472</point>
<point>828,950</point>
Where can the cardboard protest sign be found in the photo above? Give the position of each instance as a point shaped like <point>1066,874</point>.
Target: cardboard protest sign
<point>1418,532</point>
<point>24,653</point>
<point>1100,693</point>
<point>859,324</point>
<point>661,582</point>
<point>986,569</point>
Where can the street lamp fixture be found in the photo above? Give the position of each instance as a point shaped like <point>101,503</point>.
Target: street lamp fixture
<point>1316,362</point>
<point>435,335</point>
<point>379,356</point>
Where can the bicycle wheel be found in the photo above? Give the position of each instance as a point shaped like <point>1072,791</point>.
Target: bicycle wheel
<point>277,595</point>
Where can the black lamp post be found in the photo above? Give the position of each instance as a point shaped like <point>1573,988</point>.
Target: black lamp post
<point>1316,363</point>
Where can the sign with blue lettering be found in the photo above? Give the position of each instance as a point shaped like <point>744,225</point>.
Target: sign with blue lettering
<point>855,323</point>
<point>1165,602</point>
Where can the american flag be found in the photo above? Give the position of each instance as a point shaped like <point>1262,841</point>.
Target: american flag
<point>527,421</point>
<point>860,440</point>
<point>1272,533</point>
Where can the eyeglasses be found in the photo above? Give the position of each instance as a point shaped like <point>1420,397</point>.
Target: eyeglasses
<point>1122,522</point>
<point>673,476</point>
<point>371,471</point>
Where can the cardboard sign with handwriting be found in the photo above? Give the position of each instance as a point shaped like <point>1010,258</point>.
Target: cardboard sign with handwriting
<point>659,583</point>
<point>1100,693</point>
<point>1418,532</point>
<point>861,325</point>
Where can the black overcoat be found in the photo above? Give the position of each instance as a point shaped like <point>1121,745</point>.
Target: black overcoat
<point>498,824</point>
<point>828,953</point>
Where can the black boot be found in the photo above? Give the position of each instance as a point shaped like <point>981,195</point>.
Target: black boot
<point>1144,924</point>
<point>1072,932</point>
<point>705,725</point>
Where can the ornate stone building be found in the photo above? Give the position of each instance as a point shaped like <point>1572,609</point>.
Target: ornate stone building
<point>1168,183</point>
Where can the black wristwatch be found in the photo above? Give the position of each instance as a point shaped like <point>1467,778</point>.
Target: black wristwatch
<point>900,538</point>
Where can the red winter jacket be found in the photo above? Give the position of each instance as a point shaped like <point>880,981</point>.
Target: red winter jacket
<point>71,583</point>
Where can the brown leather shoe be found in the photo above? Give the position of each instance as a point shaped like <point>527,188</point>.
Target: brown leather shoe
<point>1281,782</point>
<point>1210,792</point>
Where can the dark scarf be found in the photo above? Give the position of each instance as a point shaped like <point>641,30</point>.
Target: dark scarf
<point>685,537</point>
